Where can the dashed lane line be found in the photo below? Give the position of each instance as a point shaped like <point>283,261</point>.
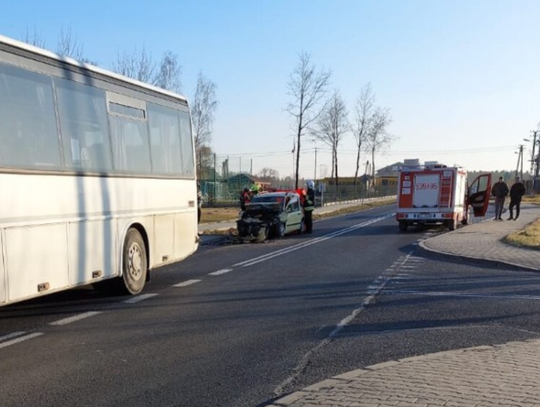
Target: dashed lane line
<point>19,338</point>
<point>11,335</point>
<point>187,283</point>
<point>220,272</point>
<point>462,295</point>
<point>373,290</point>
<point>74,318</point>
<point>139,298</point>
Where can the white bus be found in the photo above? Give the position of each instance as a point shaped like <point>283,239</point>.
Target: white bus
<point>97,176</point>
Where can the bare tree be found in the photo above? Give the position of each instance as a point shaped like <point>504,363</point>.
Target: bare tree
<point>168,73</point>
<point>364,111</point>
<point>202,111</point>
<point>378,137</point>
<point>268,175</point>
<point>307,88</point>
<point>205,163</point>
<point>137,65</point>
<point>68,45</point>
<point>33,38</point>
<point>332,125</point>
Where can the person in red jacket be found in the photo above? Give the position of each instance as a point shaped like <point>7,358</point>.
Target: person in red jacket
<point>245,198</point>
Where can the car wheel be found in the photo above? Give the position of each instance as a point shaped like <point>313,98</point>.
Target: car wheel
<point>280,229</point>
<point>263,235</point>
<point>302,229</point>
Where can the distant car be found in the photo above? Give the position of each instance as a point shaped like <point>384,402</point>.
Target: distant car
<point>271,215</point>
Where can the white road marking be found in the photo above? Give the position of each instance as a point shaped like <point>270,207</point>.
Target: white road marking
<point>139,298</point>
<point>19,339</point>
<point>310,242</point>
<point>465,295</point>
<point>186,283</point>
<point>75,318</point>
<point>11,335</point>
<point>374,289</point>
<point>220,272</point>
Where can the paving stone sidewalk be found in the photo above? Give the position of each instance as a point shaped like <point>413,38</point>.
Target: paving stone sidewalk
<point>484,241</point>
<point>485,376</point>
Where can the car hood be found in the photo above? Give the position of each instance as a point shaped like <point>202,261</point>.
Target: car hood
<point>263,208</point>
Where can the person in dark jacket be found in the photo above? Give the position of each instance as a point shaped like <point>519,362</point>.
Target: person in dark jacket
<point>199,202</point>
<point>309,206</point>
<point>516,193</point>
<point>499,191</point>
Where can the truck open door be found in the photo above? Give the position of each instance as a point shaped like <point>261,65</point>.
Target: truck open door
<point>478,194</point>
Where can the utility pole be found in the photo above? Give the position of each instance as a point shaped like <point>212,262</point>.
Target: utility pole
<point>520,161</point>
<point>535,160</point>
<point>535,133</point>
<point>536,181</point>
<point>315,172</point>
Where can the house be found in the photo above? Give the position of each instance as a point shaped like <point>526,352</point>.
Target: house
<point>388,176</point>
<point>240,181</point>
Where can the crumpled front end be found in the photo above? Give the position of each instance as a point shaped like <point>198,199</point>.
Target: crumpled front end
<point>259,222</point>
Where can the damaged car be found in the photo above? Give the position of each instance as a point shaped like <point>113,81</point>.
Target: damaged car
<point>271,215</point>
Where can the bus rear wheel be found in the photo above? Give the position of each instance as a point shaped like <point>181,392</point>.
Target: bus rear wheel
<point>134,263</point>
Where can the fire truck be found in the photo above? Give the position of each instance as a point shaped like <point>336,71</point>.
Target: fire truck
<point>433,193</point>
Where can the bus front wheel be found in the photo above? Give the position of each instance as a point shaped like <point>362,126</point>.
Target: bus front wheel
<point>134,263</point>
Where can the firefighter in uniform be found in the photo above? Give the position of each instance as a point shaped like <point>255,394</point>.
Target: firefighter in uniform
<point>309,205</point>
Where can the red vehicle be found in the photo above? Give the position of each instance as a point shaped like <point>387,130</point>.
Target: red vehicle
<point>434,193</point>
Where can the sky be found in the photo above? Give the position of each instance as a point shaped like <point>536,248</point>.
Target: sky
<point>461,79</point>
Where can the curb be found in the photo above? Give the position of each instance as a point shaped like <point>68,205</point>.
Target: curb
<point>347,378</point>
<point>477,259</point>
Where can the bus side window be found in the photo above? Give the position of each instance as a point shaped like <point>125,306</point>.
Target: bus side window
<point>29,134</point>
<point>83,121</point>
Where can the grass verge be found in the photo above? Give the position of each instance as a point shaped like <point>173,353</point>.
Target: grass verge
<point>528,237</point>
<point>535,199</point>
<point>213,215</point>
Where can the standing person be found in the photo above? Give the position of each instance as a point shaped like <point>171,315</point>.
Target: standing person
<point>499,191</point>
<point>309,206</point>
<point>199,202</point>
<point>245,198</point>
<point>516,193</point>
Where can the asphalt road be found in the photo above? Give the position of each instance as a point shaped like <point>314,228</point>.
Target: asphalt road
<point>238,325</point>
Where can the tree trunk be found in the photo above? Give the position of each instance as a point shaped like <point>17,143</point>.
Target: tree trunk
<point>357,166</point>
<point>333,160</point>
<point>299,134</point>
<point>336,164</point>
<point>373,165</point>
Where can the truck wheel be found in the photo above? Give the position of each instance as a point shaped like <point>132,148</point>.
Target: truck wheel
<point>134,264</point>
<point>467,220</point>
<point>451,224</point>
<point>403,226</point>
<point>134,269</point>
